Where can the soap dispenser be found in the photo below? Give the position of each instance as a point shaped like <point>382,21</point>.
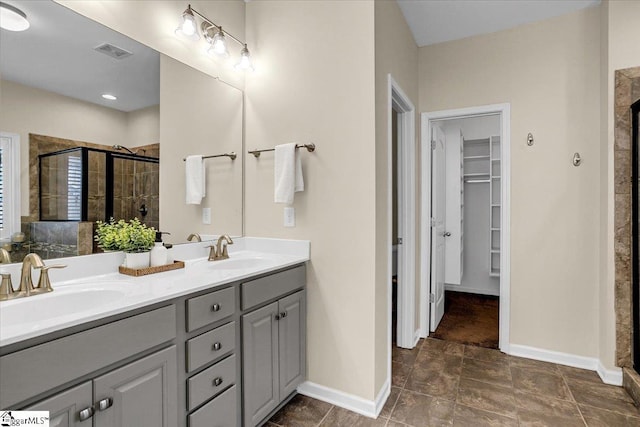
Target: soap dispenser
<point>158,252</point>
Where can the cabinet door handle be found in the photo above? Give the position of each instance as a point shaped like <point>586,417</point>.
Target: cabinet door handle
<point>277,317</point>
<point>283,314</point>
<point>216,346</point>
<point>85,414</point>
<point>215,307</point>
<point>104,404</point>
<point>217,381</point>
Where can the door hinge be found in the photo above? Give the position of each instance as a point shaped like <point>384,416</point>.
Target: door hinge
<point>433,144</point>
<point>432,298</point>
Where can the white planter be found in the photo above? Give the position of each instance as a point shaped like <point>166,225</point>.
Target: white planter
<point>137,260</point>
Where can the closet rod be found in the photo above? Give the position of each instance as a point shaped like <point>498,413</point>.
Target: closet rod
<point>477,181</point>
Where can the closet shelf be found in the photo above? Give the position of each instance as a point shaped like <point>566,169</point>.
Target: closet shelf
<point>476,157</point>
<point>470,175</point>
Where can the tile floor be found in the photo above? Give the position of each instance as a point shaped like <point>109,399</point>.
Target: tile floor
<point>442,383</point>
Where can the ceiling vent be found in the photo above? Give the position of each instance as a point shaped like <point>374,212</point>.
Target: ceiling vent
<point>113,51</point>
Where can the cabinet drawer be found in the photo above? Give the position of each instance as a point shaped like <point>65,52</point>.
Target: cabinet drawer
<point>267,288</point>
<point>210,345</point>
<point>210,308</point>
<point>222,409</point>
<point>37,369</point>
<point>211,381</point>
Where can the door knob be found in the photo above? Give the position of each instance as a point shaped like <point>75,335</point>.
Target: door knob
<point>446,234</point>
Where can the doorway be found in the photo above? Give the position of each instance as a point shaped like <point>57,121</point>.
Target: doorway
<point>401,220</point>
<point>465,233</point>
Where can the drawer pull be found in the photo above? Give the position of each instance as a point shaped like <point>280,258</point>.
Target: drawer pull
<point>217,381</point>
<point>85,414</point>
<point>216,346</point>
<point>215,307</point>
<point>105,404</point>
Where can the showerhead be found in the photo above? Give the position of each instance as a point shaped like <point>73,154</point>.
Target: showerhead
<point>122,147</point>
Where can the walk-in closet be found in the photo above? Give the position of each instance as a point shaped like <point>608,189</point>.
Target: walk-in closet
<point>472,230</point>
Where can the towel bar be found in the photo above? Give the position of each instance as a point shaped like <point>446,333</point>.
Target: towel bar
<point>310,148</point>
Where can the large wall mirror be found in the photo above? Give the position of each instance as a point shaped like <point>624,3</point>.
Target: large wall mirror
<point>85,156</point>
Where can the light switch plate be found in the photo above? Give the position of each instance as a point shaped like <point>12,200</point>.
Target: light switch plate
<point>206,215</point>
<point>289,217</point>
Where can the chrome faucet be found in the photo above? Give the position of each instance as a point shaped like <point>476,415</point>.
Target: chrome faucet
<point>194,236</point>
<point>219,251</point>
<point>5,256</point>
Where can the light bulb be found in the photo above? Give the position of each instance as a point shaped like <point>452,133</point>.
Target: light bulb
<point>245,60</point>
<point>219,45</point>
<point>12,18</point>
<point>188,26</point>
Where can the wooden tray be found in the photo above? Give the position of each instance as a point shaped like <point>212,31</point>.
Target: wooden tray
<point>150,270</point>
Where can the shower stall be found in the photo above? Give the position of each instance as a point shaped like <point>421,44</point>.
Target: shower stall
<point>635,227</point>
<point>88,184</point>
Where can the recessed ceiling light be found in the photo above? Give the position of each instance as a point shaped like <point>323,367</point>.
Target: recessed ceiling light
<point>109,97</point>
<point>12,18</point>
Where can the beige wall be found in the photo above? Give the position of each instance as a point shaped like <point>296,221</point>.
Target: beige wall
<point>154,22</point>
<point>25,110</point>
<point>549,72</point>
<point>620,49</point>
<point>315,83</point>
<point>396,54</point>
<point>199,115</point>
<point>143,126</point>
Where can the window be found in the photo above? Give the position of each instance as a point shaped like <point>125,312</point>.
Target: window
<point>9,184</point>
<point>74,189</point>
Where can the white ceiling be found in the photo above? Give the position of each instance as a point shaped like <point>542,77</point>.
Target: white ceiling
<point>436,21</point>
<point>57,54</point>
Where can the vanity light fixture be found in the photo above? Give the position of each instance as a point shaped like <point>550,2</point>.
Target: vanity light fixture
<point>188,26</point>
<point>12,18</point>
<point>215,37</point>
<point>245,60</point>
<point>109,97</point>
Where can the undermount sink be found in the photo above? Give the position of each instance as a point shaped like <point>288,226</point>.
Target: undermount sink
<point>30,312</point>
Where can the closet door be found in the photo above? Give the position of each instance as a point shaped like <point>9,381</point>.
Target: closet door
<point>454,206</point>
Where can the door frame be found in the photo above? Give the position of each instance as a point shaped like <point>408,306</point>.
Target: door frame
<point>504,110</point>
<point>407,336</point>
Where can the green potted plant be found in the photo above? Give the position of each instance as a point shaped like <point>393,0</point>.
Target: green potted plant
<point>132,237</point>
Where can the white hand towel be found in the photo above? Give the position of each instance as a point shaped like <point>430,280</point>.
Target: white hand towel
<point>287,173</point>
<point>195,180</point>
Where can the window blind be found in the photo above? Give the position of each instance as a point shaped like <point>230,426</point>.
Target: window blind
<point>74,189</point>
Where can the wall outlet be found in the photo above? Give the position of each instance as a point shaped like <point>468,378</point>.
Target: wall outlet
<point>289,217</point>
<point>206,215</point>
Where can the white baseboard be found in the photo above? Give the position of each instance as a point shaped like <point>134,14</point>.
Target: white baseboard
<point>608,376</point>
<point>416,337</point>
<point>368,408</point>
<point>458,288</point>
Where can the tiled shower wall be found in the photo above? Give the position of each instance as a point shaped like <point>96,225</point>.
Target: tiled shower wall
<point>53,239</point>
<point>627,91</point>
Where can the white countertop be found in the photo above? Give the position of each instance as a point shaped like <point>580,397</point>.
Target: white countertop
<point>91,289</point>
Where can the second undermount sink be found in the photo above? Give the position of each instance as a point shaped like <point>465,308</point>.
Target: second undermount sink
<point>30,312</point>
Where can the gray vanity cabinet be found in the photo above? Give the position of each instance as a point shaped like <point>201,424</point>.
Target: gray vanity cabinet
<point>140,394</point>
<point>64,408</point>
<point>273,355</point>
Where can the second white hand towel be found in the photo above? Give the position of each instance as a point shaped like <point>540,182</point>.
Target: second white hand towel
<point>195,180</point>
<point>287,173</point>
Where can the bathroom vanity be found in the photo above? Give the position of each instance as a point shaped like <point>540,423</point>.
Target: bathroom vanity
<point>218,341</point>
